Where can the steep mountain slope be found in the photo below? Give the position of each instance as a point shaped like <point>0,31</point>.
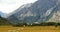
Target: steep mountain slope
<point>40,11</point>
<point>13,18</point>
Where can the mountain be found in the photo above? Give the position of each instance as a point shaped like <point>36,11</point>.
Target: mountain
<point>40,11</point>
<point>3,14</point>
<point>13,18</point>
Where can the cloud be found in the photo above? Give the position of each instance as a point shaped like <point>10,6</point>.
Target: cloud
<point>7,6</point>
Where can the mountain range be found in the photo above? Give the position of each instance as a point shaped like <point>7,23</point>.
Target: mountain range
<point>40,11</point>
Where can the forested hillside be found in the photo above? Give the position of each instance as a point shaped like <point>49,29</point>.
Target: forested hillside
<point>4,21</point>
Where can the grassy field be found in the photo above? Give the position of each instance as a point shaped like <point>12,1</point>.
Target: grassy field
<point>30,29</point>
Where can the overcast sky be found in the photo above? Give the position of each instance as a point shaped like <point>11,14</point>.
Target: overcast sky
<point>7,6</point>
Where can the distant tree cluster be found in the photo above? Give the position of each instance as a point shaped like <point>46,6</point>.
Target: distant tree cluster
<point>41,24</point>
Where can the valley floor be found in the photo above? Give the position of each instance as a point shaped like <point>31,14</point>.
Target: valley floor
<point>30,29</point>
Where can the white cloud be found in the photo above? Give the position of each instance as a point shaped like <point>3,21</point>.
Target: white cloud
<point>8,6</point>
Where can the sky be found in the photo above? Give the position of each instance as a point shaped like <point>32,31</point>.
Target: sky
<point>8,6</point>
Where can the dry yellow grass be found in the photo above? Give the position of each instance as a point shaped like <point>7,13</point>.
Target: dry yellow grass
<point>30,29</point>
